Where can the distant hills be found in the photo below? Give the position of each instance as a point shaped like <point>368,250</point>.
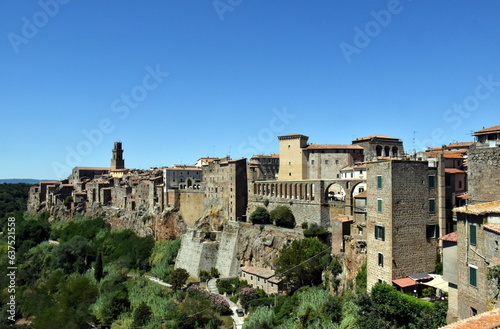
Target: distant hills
<point>20,180</point>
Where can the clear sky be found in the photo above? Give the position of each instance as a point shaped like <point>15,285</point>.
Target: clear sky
<point>176,80</point>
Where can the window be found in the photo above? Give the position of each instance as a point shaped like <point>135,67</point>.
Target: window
<point>380,259</point>
<point>380,233</point>
<point>472,234</point>
<point>432,205</point>
<point>312,162</point>
<point>432,181</point>
<point>336,161</point>
<point>379,181</point>
<point>473,275</point>
<point>459,184</point>
<point>379,205</point>
<point>473,311</point>
<point>338,175</point>
<point>326,161</point>
<point>361,189</point>
<point>432,231</point>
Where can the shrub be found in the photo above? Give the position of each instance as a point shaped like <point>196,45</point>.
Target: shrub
<point>220,304</point>
<point>260,216</point>
<point>282,216</point>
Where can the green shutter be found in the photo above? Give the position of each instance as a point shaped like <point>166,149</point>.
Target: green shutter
<point>379,205</point>
<point>432,181</point>
<point>379,181</point>
<point>432,205</point>
<point>472,276</point>
<point>472,235</point>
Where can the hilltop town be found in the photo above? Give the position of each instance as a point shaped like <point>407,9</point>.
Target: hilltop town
<point>399,213</point>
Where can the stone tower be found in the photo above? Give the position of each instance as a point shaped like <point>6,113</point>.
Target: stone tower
<point>293,159</point>
<point>117,162</point>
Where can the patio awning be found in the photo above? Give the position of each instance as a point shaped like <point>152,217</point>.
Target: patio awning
<point>420,277</point>
<point>438,283</point>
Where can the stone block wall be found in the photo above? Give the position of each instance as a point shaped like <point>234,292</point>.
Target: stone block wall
<point>191,206</point>
<point>483,174</point>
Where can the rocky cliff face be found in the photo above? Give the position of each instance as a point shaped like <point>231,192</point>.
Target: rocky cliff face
<point>162,226</point>
<point>260,247</point>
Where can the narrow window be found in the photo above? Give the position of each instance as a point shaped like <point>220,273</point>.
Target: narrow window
<point>326,161</point>
<point>472,234</point>
<point>380,233</point>
<point>432,205</point>
<point>432,181</point>
<point>380,259</point>
<point>379,181</point>
<point>473,276</point>
<point>312,162</point>
<point>379,205</point>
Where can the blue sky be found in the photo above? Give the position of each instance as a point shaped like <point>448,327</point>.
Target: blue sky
<point>178,80</point>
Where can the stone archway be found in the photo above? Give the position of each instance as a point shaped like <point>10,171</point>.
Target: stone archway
<point>335,192</point>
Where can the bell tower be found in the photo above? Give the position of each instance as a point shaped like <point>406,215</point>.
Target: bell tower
<point>117,161</point>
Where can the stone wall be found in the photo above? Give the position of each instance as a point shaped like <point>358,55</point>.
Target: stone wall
<point>405,215</point>
<point>191,206</point>
<point>483,173</point>
<point>227,263</point>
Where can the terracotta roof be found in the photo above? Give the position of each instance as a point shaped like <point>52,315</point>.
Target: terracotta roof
<point>487,130</point>
<point>451,237</point>
<point>179,169</point>
<point>49,182</point>
<point>454,171</point>
<point>493,227</point>
<point>486,320</point>
<point>333,147</point>
<point>463,196</point>
<point>259,271</point>
<point>480,209</point>
<point>374,136</point>
<point>453,155</point>
<point>183,166</point>
<point>461,144</point>
<point>344,218</point>
<point>362,194</point>
<point>405,282</point>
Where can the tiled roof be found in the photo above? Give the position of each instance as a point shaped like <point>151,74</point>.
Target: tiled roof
<point>493,227</point>
<point>374,136</point>
<point>454,171</point>
<point>333,147</point>
<point>487,130</point>
<point>453,155</point>
<point>93,168</point>
<point>292,135</point>
<point>362,194</point>
<point>259,271</point>
<point>344,218</point>
<point>480,209</point>
<point>50,182</point>
<point>451,237</point>
<point>486,320</point>
<point>461,144</point>
<point>463,196</point>
<point>404,282</point>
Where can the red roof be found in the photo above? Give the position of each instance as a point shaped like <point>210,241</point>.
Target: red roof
<point>493,227</point>
<point>374,136</point>
<point>486,320</point>
<point>404,282</point>
<point>333,147</point>
<point>451,237</point>
<point>344,218</point>
<point>487,130</point>
<point>454,171</point>
<point>362,194</point>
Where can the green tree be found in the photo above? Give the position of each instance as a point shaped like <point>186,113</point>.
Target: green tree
<point>98,271</point>
<point>301,262</point>
<point>178,278</point>
<point>142,314</point>
<point>260,216</point>
<point>282,216</point>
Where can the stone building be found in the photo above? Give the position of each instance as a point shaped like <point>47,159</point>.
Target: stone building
<point>225,187</point>
<point>117,161</point>
<point>262,278</point>
<point>477,249</point>
<point>263,167</point>
<point>378,147</point>
<point>402,226</point>
<point>484,166</point>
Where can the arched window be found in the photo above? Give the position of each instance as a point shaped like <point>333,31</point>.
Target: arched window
<point>379,150</point>
<point>387,150</point>
<point>395,151</point>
